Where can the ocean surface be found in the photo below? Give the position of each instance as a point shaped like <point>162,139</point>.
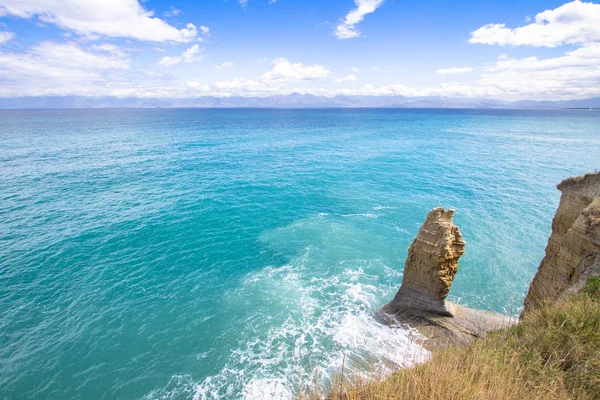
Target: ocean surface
<point>240,254</point>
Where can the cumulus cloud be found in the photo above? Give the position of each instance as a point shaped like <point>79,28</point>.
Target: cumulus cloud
<point>169,61</point>
<point>224,65</point>
<point>95,69</point>
<point>59,68</point>
<point>575,74</point>
<point>347,28</point>
<point>576,22</point>
<point>6,37</point>
<point>173,12</point>
<point>193,54</point>
<point>274,81</point>
<point>102,70</point>
<point>350,77</point>
<point>283,69</point>
<point>112,18</point>
<point>453,71</point>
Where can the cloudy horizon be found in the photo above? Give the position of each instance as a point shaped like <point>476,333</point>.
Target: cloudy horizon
<point>256,48</point>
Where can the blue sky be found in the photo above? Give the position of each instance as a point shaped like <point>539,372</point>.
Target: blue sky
<point>495,49</point>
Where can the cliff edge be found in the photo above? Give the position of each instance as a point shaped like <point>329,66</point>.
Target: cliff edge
<point>572,257</point>
<point>573,250</point>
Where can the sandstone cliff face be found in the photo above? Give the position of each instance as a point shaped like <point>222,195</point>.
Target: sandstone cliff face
<point>572,255</point>
<point>573,250</point>
<point>431,264</point>
<point>429,270</point>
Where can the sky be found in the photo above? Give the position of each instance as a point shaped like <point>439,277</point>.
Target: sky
<point>496,49</point>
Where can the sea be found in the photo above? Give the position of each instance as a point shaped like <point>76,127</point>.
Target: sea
<point>242,253</point>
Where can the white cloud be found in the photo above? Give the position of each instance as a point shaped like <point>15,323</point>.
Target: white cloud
<point>356,70</point>
<point>6,37</point>
<point>113,18</point>
<point>350,77</point>
<point>243,3</point>
<point>375,68</point>
<point>205,30</point>
<point>345,32</point>
<point>271,82</point>
<point>347,28</point>
<point>109,48</point>
<point>190,55</point>
<point>173,12</point>
<point>575,74</point>
<point>224,65</point>
<point>169,61</point>
<point>283,69</point>
<point>59,68</point>
<point>572,23</point>
<point>453,71</point>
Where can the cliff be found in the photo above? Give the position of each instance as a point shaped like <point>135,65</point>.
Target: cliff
<point>572,257</point>
<point>553,351</point>
<point>429,271</point>
<point>573,250</point>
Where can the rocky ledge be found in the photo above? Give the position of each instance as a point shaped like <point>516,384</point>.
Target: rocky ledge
<point>429,271</point>
<point>572,257</point>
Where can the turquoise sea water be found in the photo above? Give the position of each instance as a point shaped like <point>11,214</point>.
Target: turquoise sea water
<point>234,253</point>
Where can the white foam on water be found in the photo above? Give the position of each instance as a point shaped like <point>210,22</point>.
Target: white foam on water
<point>365,215</point>
<point>261,389</point>
<point>307,320</point>
<point>330,326</point>
<point>377,208</point>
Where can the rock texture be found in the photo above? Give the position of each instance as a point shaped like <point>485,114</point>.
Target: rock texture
<point>429,270</point>
<point>431,265</point>
<point>573,250</point>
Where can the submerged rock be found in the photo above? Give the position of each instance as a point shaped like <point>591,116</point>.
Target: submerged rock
<point>429,271</point>
<point>573,251</point>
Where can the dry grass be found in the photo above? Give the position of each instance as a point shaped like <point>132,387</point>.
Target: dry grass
<point>554,353</point>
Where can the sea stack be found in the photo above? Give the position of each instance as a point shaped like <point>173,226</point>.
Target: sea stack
<point>431,265</point>
<point>573,250</point>
<point>429,271</point>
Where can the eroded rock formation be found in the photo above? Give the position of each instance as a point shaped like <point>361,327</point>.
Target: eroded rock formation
<point>431,265</point>
<point>572,256</point>
<point>573,251</point>
<point>429,270</point>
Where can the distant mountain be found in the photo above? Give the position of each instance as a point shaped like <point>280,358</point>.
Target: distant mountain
<point>288,101</point>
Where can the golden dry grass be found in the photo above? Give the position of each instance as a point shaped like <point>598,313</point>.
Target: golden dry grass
<point>554,353</point>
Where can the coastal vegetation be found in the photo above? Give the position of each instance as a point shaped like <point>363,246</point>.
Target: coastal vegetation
<point>552,353</point>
